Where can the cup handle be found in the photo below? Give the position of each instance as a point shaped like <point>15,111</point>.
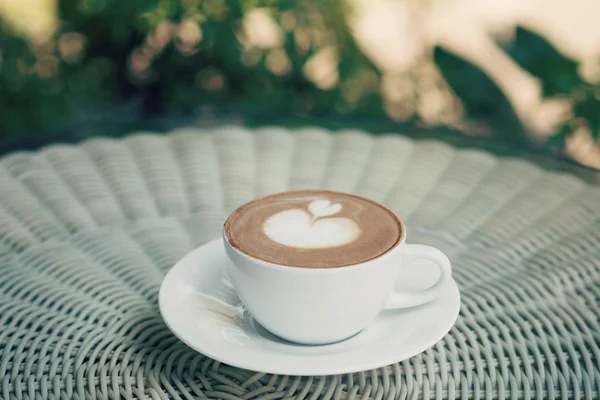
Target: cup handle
<point>413,252</point>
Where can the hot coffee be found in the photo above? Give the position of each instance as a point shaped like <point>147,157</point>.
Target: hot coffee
<point>313,229</point>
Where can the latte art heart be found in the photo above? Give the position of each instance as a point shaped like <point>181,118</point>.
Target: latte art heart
<point>297,228</point>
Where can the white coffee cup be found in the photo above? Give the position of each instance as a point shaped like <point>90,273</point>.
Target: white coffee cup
<point>326,305</point>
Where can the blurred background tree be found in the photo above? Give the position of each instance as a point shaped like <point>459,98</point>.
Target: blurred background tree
<point>72,61</point>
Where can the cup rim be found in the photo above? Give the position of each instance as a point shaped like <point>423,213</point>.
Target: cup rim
<point>399,241</point>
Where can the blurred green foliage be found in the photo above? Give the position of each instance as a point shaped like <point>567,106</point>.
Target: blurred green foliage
<point>136,58</point>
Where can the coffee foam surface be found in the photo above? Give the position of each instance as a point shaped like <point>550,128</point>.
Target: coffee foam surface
<point>313,229</point>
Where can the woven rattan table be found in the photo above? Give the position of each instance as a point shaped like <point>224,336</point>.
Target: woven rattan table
<point>88,231</point>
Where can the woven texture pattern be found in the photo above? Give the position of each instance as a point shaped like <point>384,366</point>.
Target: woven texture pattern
<point>87,233</point>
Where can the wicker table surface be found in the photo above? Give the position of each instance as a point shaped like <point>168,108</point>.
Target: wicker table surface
<point>88,231</point>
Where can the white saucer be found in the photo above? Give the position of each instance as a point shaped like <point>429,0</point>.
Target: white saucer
<point>200,306</point>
